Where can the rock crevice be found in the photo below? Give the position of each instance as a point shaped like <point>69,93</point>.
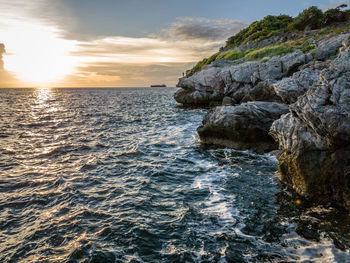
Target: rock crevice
<point>315,137</point>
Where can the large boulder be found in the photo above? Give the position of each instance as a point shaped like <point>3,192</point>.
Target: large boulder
<point>203,88</point>
<point>289,89</point>
<point>329,46</point>
<point>241,82</point>
<point>242,127</point>
<point>315,137</point>
<point>252,81</point>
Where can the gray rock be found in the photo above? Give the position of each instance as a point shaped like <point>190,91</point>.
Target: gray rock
<point>203,88</point>
<point>329,46</point>
<point>212,84</point>
<point>291,62</point>
<point>227,101</point>
<point>315,137</point>
<point>289,89</point>
<point>294,136</point>
<point>239,79</point>
<point>252,81</point>
<point>263,91</point>
<point>244,126</point>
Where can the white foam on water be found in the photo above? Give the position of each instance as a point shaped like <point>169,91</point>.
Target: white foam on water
<point>299,249</point>
<point>216,204</point>
<point>310,251</point>
<point>220,205</point>
<point>271,157</point>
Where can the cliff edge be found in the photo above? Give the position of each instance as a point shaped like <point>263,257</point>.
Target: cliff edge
<point>289,90</point>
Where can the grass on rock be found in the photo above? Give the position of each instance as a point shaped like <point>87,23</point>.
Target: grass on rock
<point>333,21</point>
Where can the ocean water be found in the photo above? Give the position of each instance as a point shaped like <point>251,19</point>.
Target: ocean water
<point>118,175</point>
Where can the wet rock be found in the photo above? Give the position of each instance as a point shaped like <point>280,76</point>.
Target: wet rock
<point>243,126</point>
<point>315,137</point>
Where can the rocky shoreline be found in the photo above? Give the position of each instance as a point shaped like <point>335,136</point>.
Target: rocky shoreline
<point>297,102</point>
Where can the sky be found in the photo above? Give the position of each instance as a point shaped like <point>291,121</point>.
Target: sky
<point>121,43</point>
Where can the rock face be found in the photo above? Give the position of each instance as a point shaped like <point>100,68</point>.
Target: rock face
<point>315,137</point>
<point>204,88</point>
<point>255,80</point>
<point>241,82</point>
<point>244,82</point>
<point>243,126</point>
<point>289,89</point>
<point>330,45</point>
<point>299,102</point>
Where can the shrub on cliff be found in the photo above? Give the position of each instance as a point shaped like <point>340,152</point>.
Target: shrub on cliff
<point>334,15</point>
<point>260,30</point>
<point>347,14</point>
<point>311,18</point>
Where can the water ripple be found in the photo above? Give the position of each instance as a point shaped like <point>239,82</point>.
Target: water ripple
<point>118,175</point>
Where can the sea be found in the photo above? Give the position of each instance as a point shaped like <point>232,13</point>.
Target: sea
<point>118,175</point>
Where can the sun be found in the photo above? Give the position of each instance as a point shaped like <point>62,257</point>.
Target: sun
<point>37,54</point>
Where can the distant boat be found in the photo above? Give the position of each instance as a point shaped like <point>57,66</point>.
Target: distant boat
<point>159,85</point>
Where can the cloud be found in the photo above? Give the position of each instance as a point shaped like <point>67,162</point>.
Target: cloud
<point>202,29</point>
<point>2,52</point>
<point>158,58</point>
<point>114,60</point>
<point>6,78</point>
<point>144,50</point>
<point>186,40</point>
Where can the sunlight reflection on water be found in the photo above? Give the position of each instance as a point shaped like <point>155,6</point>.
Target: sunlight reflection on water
<point>118,175</point>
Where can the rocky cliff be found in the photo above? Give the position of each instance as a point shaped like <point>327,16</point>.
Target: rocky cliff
<point>315,137</point>
<point>298,102</point>
<point>254,80</point>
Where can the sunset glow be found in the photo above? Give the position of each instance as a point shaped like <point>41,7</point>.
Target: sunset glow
<point>38,56</point>
<point>174,131</point>
<point>48,46</point>
<point>80,43</point>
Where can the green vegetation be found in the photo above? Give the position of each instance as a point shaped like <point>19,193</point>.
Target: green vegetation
<point>251,54</point>
<point>230,55</point>
<point>201,64</point>
<point>334,29</point>
<point>347,14</point>
<point>269,52</point>
<point>334,15</point>
<point>257,31</point>
<point>310,19</point>
<point>307,48</point>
